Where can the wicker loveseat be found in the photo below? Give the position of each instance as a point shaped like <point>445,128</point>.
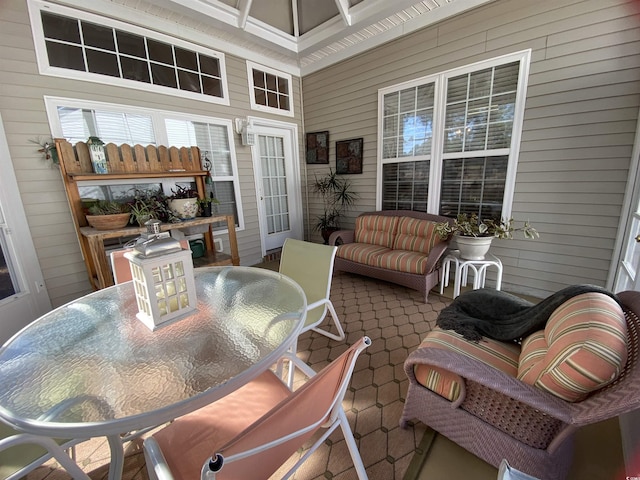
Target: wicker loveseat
<point>399,246</point>
<point>524,403</point>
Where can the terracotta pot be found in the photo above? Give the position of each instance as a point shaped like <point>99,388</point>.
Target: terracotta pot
<point>109,222</point>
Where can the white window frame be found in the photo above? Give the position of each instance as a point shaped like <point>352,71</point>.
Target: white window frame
<point>36,6</point>
<point>252,93</point>
<point>158,117</point>
<point>437,155</point>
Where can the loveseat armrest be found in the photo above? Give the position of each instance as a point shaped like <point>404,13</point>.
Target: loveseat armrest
<point>342,236</point>
<point>435,254</point>
<point>481,373</point>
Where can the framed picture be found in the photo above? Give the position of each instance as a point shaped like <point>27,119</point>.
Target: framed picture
<point>349,156</point>
<point>318,147</point>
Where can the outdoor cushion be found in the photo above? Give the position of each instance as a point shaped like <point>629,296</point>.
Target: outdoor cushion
<point>500,355</point>
<point>403,261</point>
<point>416,235</point>
<point>363,253</point>
<point>583,348</point>
<point>376,230</point>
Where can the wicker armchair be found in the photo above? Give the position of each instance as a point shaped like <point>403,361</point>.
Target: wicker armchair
<point>497,416</point>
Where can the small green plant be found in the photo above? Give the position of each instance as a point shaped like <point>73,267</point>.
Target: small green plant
<point>147,204</point>
<point>471,226</point>
<point>109,207</point>
<point>183,192</point>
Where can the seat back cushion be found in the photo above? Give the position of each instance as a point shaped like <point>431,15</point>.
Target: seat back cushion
<point>416,235</point>
<point>376,230</point>
<point>500,355</point>
<point>582,348</point>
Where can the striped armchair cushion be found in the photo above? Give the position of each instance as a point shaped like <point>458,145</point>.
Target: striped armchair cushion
<point>500,355</point>
<point>416,235</point>
<point>376,230</point>
<point>582,349</point>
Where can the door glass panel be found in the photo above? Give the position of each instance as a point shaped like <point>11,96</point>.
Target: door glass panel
<point>274,185</point>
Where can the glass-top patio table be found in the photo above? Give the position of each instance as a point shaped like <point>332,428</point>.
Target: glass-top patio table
<point>91,368</point>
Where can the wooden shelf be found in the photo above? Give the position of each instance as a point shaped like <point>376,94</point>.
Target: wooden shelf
<point>126,162</point>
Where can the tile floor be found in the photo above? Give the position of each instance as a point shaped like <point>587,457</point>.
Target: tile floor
<point>396,319</point>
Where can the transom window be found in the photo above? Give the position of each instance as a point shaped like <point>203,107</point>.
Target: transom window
<point>102,50</point>
<point>449,142</point>
<point>270,90</point>
<point>78,120</point>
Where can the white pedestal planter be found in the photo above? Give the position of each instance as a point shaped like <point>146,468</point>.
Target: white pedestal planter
<point>473,248</point>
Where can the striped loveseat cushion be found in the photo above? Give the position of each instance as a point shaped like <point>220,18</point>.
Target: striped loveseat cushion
<point>503,356</point>
<point>376,230</point>
<point>416,235</point>
<point>582,348</point>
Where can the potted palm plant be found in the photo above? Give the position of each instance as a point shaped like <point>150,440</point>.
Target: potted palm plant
<point>337,197</point>
<point>473,235</point>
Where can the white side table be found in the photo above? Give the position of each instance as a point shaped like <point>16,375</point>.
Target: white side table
<point>479,268</point>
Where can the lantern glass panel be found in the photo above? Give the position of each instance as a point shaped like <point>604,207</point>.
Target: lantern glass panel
<point>157,277</point>
<point>167,271</point>
<point>182,284</point>
<point>179,269</point>
<point>184,300</point>
<point>171,288</point>
<point>159,291</point>
<point>173,304</point>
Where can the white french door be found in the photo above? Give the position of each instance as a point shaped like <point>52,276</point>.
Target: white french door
<point>278,191</point>
<point>23,296</point>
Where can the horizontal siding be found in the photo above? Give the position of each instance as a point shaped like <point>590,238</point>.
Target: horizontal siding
<point>41,187</point>
<point>578,133</point>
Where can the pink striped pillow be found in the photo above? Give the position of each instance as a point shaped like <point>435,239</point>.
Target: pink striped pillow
<point>376,230</point>
<point>416,235</point>
<point>584,348</point>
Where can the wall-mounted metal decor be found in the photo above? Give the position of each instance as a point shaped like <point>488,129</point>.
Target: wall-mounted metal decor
<point>318,147</point>
<point>349,156</point>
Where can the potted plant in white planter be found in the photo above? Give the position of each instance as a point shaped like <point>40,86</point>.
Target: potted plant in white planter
<point>337,196</point>
<point>473,236</point>
<point>183,202</point>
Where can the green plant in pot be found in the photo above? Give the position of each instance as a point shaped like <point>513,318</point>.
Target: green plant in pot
<point>206,205</point>
<point>183,202</point>
<point>337,197</point>
<point>474,236</point>
<point>147,204</point>
<point>108,215</point>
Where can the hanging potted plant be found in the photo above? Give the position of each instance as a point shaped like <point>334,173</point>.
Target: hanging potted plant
<point>474,236</point>
<point>183,202</point>
<point>337,197</point>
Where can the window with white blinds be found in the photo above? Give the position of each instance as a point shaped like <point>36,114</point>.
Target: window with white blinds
<point>449,142</point>
<point>77,120</point>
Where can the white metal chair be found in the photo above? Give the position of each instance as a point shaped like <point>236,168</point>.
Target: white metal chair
<point>253,431</point>
<point>20,453</point>
<point>311,266</point>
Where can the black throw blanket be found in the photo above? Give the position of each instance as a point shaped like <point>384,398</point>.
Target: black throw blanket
<point>502,316</point>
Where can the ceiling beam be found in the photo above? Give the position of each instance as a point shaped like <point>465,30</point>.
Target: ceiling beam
<point>243,7</point>
<point>343,7</point>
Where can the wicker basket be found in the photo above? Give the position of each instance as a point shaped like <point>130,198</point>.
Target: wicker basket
<point>109,222</point>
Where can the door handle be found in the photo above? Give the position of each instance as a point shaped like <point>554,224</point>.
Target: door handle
<point>638,238</point>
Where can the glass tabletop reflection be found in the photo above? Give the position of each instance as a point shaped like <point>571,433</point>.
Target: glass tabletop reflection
<point>92,368</point>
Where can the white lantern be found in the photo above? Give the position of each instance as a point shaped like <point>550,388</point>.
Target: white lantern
<point>163,280</point>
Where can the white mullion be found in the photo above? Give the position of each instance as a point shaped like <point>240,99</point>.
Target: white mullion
<point>437,145</point>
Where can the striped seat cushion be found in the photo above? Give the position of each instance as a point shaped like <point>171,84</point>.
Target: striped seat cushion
<point>503,356</point>
<point>361,253</point>
<point>403,261</point>
<point>416,235</point>
<point>376,230</point>
<point>582,349</point>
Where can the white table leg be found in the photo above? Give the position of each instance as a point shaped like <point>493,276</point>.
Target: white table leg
<point>117,457</point>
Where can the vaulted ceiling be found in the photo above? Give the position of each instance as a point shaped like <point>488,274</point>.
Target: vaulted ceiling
<point>299,36</point>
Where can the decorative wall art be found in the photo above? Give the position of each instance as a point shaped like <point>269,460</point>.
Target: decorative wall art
<point>349,156</point>
<point>318,147</point>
